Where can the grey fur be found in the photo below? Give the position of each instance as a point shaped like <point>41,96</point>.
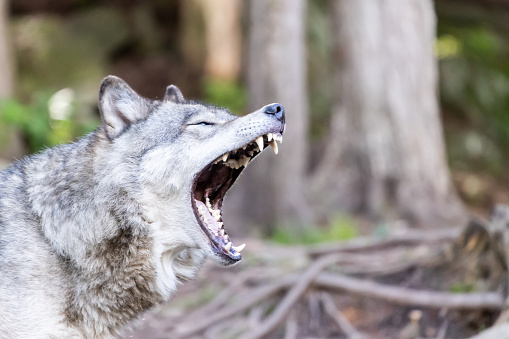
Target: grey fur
<point>96,232</point>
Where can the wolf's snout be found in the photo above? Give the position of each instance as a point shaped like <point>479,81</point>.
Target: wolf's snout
<point>275,109</point>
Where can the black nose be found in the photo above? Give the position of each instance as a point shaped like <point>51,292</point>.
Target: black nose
<point>275,109</point>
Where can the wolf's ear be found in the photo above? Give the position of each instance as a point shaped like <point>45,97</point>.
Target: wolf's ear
<point>174,94</point>
<point>120,106</point>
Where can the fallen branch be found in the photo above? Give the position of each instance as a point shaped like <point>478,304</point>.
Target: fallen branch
<point>406,296</point>
<point>251,298</point>
<point>313,276</point>
<point>291,327</point>
<point>222,297</point>
<point>292,297</point>
<point>408,238</point>
<point>338,317</point>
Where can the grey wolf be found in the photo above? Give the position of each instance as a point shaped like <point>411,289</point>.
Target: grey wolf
<point>95,232</point>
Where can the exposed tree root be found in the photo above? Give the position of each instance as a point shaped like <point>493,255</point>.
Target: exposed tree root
<point>451,280</point>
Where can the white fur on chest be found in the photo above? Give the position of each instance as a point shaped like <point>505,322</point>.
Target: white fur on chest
<point>180,247</point>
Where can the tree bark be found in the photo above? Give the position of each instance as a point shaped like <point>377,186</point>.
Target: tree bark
<point>385,154</point>
<point>223,38</point>
<point>6,60</point>
<point>272,189</point>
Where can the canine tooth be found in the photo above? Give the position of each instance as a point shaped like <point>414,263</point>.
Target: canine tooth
<point>225,156</point>
<point>269,136</point>
<point>239,248</point>
<point>273,144</point>
<point>259,142</point>
<point>228,246</point>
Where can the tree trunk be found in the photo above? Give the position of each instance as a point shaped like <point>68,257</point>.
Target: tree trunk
<point>272,189</point>
<point>6,61</point>
<point>223,38</point>
<point>11,143</point>
<point>385,152</point>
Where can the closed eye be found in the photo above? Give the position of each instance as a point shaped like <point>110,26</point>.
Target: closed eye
<point>204,123</point>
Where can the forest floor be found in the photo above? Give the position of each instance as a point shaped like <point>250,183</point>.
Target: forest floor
<point>410,284</point>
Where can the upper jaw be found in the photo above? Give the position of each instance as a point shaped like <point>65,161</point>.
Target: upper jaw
<point>210,186</point>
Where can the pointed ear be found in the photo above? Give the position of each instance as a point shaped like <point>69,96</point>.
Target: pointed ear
<point>120,106</point>
<point>174,94</point>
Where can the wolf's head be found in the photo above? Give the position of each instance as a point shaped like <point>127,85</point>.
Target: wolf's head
<point>184,156</point>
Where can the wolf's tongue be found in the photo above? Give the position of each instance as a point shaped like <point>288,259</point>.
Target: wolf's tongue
<point>215,227</point>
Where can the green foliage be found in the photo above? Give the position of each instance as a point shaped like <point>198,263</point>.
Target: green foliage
<point>53,52</point>
<point>474,83</point>
<point>225,94</point>
<point>34,122</point>
<point>341,228</point>
<point>463,288</point>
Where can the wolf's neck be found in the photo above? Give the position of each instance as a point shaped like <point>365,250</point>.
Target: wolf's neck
<point>97,226</point>
<point>116,286</point>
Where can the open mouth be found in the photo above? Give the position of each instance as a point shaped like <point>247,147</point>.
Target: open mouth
<point>210,187</point>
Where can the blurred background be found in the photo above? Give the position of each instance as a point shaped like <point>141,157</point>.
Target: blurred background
<point>397,111</point>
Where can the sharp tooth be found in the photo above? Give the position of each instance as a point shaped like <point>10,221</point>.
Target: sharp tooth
<point>244,147</point>
<point>225,156</point>
<point>259,142</point>
<point>227,247</point>
<point>273,144</point>
<point>239,248</point>
<point>220,224</point>
<point>245,161</point>
<point>250,153</point>
<point>269,136</point>
<point>207,202</point>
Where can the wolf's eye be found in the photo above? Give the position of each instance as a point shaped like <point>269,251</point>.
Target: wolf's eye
<point>204,123</point>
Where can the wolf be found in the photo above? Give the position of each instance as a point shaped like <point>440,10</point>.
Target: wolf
<point>96,232</point>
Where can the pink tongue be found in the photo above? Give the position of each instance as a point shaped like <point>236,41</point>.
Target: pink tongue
<point>209,220</point>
